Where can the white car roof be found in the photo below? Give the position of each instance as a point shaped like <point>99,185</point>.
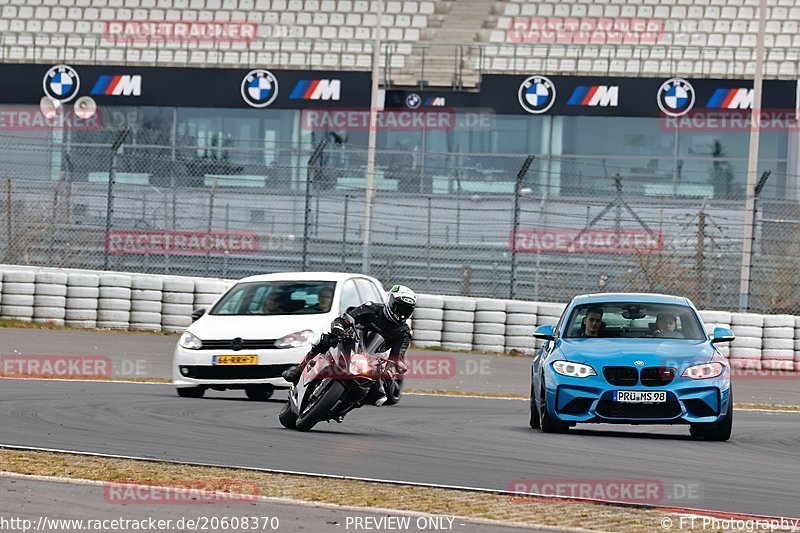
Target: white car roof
<point>308,276</point>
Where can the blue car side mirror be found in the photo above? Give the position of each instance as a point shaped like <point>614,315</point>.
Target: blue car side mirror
<point>546,332</point>
<point>723,335</point>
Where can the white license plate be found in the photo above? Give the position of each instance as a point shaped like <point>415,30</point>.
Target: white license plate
<point>640,396</point>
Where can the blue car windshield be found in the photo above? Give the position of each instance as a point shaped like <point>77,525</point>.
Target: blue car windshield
<point>634,320</point>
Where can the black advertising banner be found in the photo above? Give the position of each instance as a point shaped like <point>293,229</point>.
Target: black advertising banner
<point>431,99</point>
<point>264,88</point>
<point>628,97</point>
<point>185,87</point>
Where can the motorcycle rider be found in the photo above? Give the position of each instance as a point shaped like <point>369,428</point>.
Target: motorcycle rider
<point>388,320</point>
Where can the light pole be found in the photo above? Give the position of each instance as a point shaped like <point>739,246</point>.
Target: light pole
<point>752,166</point>
<point>373,122</point>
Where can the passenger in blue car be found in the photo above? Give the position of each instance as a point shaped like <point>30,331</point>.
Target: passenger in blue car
<point>666,324</point>
<point>592,322</point>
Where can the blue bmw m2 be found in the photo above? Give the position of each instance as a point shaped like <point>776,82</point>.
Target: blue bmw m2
<point>632,359</point>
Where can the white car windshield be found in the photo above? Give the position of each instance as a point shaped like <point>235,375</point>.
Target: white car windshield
<point>277,298</point>
<point>634,320</point>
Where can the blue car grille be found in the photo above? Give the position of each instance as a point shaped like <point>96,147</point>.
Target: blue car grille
<point>611,409</point>
<point>657,376</point>
<point>628,376</point>
<point>621,375</point>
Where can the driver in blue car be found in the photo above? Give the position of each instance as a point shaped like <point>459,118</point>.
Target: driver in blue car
<point>592,322</point>
<point>388,320</point>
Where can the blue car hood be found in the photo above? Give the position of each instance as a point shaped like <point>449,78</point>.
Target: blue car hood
<point>623,352</point>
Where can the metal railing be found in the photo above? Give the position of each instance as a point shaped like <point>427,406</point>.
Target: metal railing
<point>439,227</point>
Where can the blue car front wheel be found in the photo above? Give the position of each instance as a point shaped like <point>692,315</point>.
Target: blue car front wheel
<point>717,431</point>
<point>535,424</point>
<point>548,424</point>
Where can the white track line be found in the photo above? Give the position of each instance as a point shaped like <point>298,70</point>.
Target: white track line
<point>462,488</point>
<point>88,380</point>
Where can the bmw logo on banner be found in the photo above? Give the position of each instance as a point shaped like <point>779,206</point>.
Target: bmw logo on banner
<point>413,101</point>
<point>676,97</point>
<point>61,83</point>
<point>259,88</point>
<point>537,94</point>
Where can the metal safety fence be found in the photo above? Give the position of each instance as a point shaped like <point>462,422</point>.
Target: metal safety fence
<point>497,225</point>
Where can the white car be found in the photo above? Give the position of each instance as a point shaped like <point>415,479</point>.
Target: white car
<point>260,327</point>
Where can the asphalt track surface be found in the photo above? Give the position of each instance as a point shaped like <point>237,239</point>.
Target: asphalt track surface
<point>149,356</point>
<point>32,499</point>
<point>458,441</point>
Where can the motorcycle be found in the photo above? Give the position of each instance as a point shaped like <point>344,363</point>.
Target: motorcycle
<point>338,381</point>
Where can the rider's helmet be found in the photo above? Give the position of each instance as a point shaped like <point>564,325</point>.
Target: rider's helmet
<point>400,304</point>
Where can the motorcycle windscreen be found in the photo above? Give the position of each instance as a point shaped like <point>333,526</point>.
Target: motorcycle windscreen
<point>373,343</point>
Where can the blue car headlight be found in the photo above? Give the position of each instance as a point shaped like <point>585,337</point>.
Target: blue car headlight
<point>704,371</point>
<point>573,370</point>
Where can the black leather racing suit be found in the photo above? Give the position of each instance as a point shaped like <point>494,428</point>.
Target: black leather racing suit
<point>372,317</point>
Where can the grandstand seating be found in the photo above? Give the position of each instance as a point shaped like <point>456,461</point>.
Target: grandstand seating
<point>703,38</point>
<point>292,34</point>
<point>712,38</point>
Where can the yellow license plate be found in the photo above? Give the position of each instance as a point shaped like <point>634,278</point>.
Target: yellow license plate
<point>235,360</point>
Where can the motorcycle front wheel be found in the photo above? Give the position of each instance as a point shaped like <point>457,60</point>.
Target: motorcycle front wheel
<point>287,417</point>
<point>320,408</point>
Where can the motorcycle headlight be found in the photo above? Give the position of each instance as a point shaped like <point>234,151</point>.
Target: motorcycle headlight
<point>296,339</point>
<point>189,341</point>
<point>704,371</point>
<point>573,370</point>
<point>360,365</point>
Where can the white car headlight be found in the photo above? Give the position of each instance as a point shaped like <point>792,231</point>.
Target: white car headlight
<point>704,371</point>
<point>296,339</point>
<point>573,370</point>
<point>189,341</point>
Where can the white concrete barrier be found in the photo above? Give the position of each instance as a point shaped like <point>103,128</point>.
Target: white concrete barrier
<point>84,298</point>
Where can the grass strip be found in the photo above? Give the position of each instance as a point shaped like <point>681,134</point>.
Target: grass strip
<point>526,511</point>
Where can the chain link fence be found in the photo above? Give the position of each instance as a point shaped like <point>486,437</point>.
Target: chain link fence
<point>495,225</point>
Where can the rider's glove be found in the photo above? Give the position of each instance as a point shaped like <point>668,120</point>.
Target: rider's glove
<point>337,327</point>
